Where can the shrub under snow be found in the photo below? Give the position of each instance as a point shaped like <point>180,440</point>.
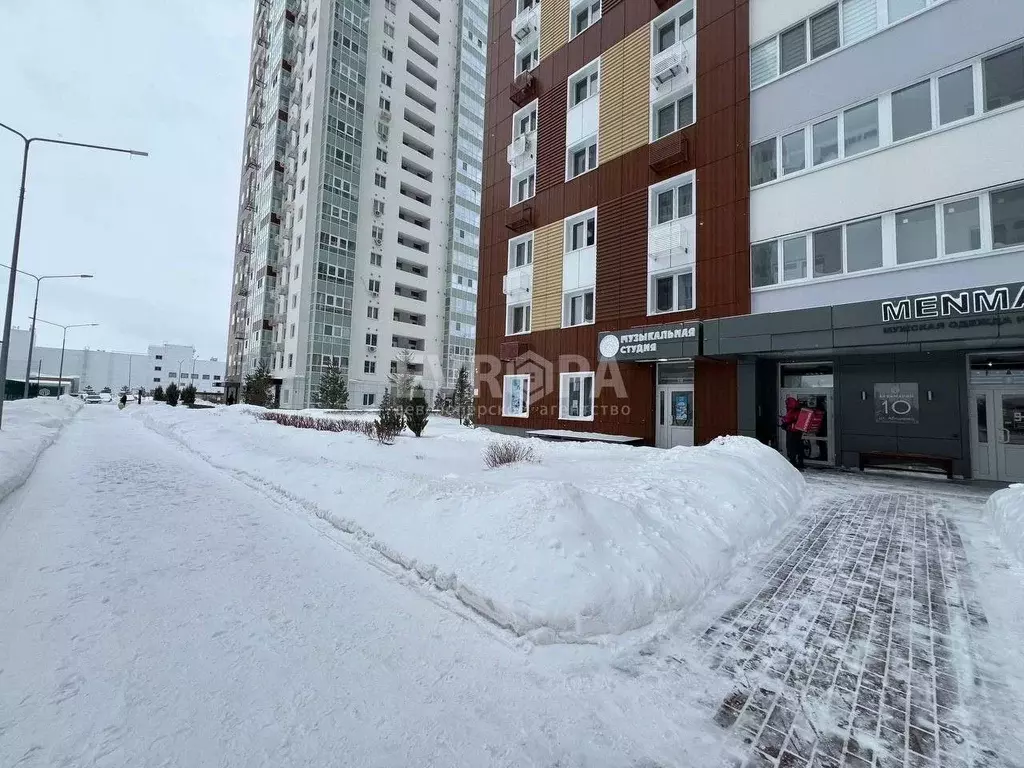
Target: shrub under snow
<point>502,452</point>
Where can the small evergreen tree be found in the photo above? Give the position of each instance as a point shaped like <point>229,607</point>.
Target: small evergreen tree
<point>172,394</point>
<point>158,394</point>
<point>257,390</point>
<point>416,413</point>
<point>463,395</point>
<point>188,395</point>
<point>402,378</point>
<point>333,391</point>
<point>390,421</point>
<point>439,401</point>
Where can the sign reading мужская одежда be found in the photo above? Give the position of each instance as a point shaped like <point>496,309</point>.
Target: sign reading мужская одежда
<point>656,342</point>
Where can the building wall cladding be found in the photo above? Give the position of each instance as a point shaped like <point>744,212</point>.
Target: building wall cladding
<point>716,149</point>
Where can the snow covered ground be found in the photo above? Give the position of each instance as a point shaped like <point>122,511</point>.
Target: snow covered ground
<point>1005,508</point>
<point>30,427</point>
<point>589,540</point>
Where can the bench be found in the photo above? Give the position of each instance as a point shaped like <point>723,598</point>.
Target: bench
<point>906,461</point>
<point>568,435</point>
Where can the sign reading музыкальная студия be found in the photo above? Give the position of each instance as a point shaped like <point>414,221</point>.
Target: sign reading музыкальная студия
<point>659,342</point>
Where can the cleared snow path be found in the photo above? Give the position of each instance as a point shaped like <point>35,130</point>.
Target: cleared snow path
<point>156,612</point>
<point>884,631</point>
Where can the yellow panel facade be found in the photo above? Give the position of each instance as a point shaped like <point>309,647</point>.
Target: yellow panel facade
<point>546,308</point>
<point>625,95</point>
<point>554,26</point>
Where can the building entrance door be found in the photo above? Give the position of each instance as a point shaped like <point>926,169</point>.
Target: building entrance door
<point>819,448</point>
<point>997,434</point>
<point>675,415</point>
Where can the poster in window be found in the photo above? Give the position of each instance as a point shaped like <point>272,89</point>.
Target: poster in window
<point>897,404</point>
<point>681,409</point>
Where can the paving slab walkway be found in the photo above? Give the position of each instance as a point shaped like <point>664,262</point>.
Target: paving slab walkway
<point>862,645</point>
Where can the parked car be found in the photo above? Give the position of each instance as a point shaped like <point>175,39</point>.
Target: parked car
<point>93,399</point>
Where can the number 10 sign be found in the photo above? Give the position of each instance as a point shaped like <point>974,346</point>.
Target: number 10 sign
<point>896,404</point>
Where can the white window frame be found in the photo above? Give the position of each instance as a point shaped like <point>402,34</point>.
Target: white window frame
<point>674,17</point>
<point>673,184</point>
<point>590,72</point>
<point>584,6</point>
<point>531,49</point>
<point>513,244</point>
<point>590,149</point>
<point>567,300</point>
<point>516,179</point>
<point>564,383</point>
<point>652,291</point>
<point>530,113</point>
<point>579,218</point>
<point>672,99</point>
<point>505,391</point>
<point>527,307</point>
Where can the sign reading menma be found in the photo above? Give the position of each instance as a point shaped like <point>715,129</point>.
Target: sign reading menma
<point>974,301</point>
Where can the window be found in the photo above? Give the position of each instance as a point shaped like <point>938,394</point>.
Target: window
<point>523,189</point>
<point>825,32</point>
<point>520,252</point>
<point>670,117</point>
<point>794,258</point>
<point>860,128</point>
<point>387,53</point>
<point>389,5</point>
<point>369,399</point>
<point>157,368</point>
<point>582,233</point>
<point>764,264</point>
<point>369,366</point>
<point>526,123</point>
<point>584,86</point>
<point>673,203</point>
<point>291,331</point>
<point>956,95</point>
<point>515,396</point>
<point>373,313</point>
<point>898,9</point>
<point>764,62</point>
<point>762,162</point>
<point>385,79</point>
<point>291,359</point>
<point>915,235</point>
<point>380,180</point>
<point>961,225</point>
<point>912,111</point>
<point>373,286</point>
<point>157,380</point>
<point>828,251</point>
<point>216,377</point>
<point>576,400</point>
<point>578,309</point>
<point>1004,78</point>
<point>1007,217</point>
<point>825,141</point>
<point>378,208</point>
<point>582,160</point>
<point>172,375</point>
<point>864,245</point>
<point>371,340</point>
<point>794,156</point>
<point>518,319</point>
<point>527,59</point>
<point>384,104</point>
<point>159,357</point>
<point>585,15</point>
<point>389,29</point>
<point>668,33</point>
<point>376,259</point>
<point>792,48</point>
<point>382,155</point>
<point>672,292</point>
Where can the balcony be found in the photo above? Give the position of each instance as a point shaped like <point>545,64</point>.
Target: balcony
<point>524,89</point>
<point>669,152</point>
<point>526,24</point>
<point>520,218</point>
<point>582,120</point>
<point>522,152</point>
<point>518,284</point>
<point>670,245</point>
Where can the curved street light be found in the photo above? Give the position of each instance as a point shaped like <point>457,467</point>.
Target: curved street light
<point>27,142</point>
<point>60,374</point>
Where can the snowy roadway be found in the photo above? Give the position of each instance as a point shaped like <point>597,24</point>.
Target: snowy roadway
<point>156,612</point>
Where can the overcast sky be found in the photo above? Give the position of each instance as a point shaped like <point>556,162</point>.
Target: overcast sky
<point>164,76</point>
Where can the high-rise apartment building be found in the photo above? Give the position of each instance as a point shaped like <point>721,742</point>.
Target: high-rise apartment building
<point>359,214</point>
<point>615,216</point>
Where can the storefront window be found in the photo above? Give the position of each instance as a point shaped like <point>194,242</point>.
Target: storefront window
<point>806,376</point>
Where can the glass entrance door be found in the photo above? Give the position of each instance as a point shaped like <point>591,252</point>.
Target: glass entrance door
<point>675,416</point>
<point>1010,435</point>
<point>819,447</point>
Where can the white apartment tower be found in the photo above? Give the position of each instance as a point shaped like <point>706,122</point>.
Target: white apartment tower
<point>359,209</point>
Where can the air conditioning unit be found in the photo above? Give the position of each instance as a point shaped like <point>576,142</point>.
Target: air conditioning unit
<point>669,63</point>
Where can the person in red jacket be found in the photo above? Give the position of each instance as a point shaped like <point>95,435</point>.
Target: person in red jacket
<point>794,438</point>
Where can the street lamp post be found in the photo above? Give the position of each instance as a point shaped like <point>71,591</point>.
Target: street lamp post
<point>35,309</point>
<point>63,343</point>
<point>9,312</point>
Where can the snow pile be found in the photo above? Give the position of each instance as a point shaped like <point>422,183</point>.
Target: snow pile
<point>1006,510</point>
<point>591,539</point>
<point>29,428</point>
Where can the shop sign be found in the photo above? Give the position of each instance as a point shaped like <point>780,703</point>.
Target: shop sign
<point>662,342</point>
<point>976,301</point>
<point>896,404</point>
